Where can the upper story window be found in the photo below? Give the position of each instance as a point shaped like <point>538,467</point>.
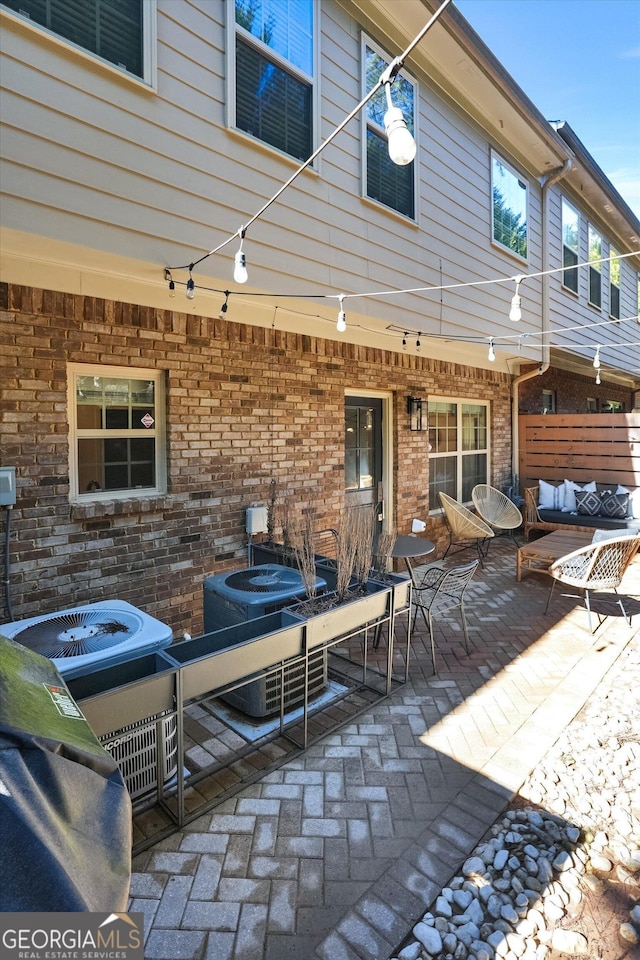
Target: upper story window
<point>459,457</point>
<point>570,234</point>
<point>111,29</point>
<point>274,73</point>
<point>116,432</point>
<point>386,181</point>
<point>510,208</point>
<point>614,284</point>
<point>595,268</point>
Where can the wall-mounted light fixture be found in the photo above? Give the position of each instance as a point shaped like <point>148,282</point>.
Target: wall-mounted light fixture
<point>417,410</point>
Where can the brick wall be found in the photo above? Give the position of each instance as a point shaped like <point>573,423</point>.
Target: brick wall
<point>572,390</point>
<point>244,405</point>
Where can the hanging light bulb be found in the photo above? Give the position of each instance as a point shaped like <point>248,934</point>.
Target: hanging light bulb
<point>190,292</point>
<point>492,355</point>
<point>404,341</point>
<point>598,377</point>
<point>418,344</point>
<point>225,306</point>
<point>596,359</point>
<point>341,325</point>
<point>402,147</point>
<point>240,274</point>
<point>515,313</point>
<point>172,286</point>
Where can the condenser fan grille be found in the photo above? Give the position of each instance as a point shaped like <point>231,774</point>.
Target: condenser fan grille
<point>77,633</point>
<point>264,579</point>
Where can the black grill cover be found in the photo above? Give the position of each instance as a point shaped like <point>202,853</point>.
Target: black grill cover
<point>65,813</point>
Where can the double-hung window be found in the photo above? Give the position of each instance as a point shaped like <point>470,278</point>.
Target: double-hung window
<point>118,31</point>
<point>459,457</point>
<point>116,432</point>
<point>386,181</point>
<point>509,208</point>
<point>274,73</point>
<point>614,285</point>
<point>570,233</point>
<point>595,268</point>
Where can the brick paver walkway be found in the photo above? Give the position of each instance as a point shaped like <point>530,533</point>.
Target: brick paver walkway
<point>336,854</point>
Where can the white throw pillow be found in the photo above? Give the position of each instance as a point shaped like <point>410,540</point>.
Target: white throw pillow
<point>570,505</point>
<point>551,497</point>
<point>634,501</point>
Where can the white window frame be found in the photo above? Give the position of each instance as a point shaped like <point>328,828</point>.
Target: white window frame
<point>459,453</point>
<point>614,263</point>
<point>565,205</point>
<point>158,430</point>
<point>149,76</point>
<point>594,268</point>
<point>232,28</point>
<point>548,401</point>
<point>366,41</point>
<point>495,157</point>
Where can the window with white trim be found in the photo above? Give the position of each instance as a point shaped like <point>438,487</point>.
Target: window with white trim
<point>116,432</point>
<point>459,456</point>
<point>570,234</point>
<point>509,208</point>
<point>548,401</point>
<point>614,284</point>
<point>114,30</point>
<point>274,73</point>
<point>385,181</point>
<point>595,268</point>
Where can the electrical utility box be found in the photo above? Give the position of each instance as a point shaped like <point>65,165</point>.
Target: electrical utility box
<point>7,486</point>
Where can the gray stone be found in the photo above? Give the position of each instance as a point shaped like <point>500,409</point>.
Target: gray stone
<point>429,938</point>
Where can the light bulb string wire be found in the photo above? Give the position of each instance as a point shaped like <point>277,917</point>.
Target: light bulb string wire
<point>387,77</point>
<point>341,297</point>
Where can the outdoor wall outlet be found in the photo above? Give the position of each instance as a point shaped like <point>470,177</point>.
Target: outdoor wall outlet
<point>256,520</point>
<point>7,486</point>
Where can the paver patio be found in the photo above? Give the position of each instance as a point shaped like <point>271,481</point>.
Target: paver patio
<point>337,853</point>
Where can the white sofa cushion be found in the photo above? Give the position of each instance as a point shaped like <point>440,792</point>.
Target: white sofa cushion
<point>550,497</point>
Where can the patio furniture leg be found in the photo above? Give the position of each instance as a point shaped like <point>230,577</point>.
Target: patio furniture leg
<point>553,586</point>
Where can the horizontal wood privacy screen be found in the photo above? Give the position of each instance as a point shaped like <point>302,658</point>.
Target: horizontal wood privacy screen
<point>604,447</point>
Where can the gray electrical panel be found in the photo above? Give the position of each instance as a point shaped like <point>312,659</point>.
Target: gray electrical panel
<point>7,486</point>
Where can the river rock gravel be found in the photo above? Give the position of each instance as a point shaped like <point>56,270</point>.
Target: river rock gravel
<point>559,874</point>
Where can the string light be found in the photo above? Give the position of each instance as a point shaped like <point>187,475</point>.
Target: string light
<point>418,344</point>
<point>404,341</point>
<point>190,292</point>
<point>225,306</point>
<point>596,359</point>
<point>341,325</point>
<point>492,354</point>
<point>172,286</point>
<point>400,143</point>
<point>515,313</point>
<point>598,377</point>
<point>240,274</point>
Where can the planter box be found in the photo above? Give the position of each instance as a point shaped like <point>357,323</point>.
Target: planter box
<point>223,657</point>
<point>345,618</point>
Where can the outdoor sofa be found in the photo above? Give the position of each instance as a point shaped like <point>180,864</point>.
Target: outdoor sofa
<point>567,505</point>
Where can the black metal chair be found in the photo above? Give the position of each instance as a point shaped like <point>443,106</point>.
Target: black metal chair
<point>440,590</point>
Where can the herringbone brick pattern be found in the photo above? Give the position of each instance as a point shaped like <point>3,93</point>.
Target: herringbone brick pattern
<point>336,854</point>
